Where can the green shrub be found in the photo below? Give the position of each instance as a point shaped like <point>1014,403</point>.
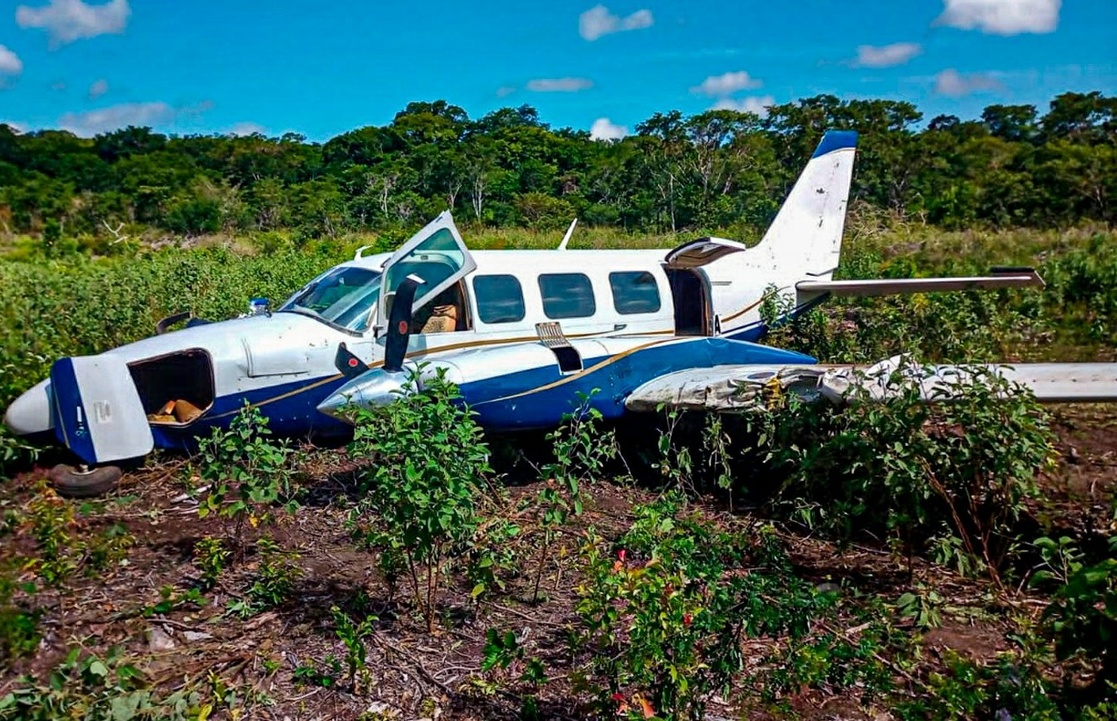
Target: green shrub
<point>906,469</point>
<point>246,470</point>
<point>663,616</point>
<point>427,470</point>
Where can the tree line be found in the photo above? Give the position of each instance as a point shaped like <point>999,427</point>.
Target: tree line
<point>716,169</point>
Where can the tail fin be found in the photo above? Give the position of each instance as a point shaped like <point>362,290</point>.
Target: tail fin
<point>807,232</point>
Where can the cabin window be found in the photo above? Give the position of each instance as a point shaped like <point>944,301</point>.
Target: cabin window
<point>567,295</point>
<point>634,292</point>
<point>500,298</point>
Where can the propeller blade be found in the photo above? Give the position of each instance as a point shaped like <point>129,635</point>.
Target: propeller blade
<point>399,324</point>
<point>349,364</point>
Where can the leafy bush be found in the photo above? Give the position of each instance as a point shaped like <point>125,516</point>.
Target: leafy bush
<point>905,468</point>
<point>664,615</point>
<point>247,472</point>
<point>428,463</point>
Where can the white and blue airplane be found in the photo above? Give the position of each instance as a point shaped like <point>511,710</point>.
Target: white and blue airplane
<point>521,332</point>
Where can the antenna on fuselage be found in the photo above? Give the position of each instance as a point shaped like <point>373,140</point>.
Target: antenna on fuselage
<point>569,232</point>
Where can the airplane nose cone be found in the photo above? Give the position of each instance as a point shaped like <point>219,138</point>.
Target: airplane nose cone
<point>376,388</point>
<point>30,413</point>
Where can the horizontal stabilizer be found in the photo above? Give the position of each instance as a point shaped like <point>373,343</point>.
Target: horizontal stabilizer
<point>1014,278</point>
<point>744,387</point>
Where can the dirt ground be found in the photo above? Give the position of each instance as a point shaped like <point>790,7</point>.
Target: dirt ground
<point>415,675</point>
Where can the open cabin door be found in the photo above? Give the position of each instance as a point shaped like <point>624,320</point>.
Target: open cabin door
<point>690,288</point>
<point>436,254</point>
<point>97,411</point>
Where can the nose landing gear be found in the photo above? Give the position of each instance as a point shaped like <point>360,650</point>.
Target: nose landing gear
<point>83,482</point>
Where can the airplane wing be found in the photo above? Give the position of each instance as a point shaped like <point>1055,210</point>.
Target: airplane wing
<point>744,387</point>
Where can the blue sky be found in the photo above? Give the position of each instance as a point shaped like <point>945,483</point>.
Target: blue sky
<point>209,66</point>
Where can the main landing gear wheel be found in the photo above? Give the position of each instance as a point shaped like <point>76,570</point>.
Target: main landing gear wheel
<point>70,482</point>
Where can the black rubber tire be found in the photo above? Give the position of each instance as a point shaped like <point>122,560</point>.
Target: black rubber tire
<point>69,482</point>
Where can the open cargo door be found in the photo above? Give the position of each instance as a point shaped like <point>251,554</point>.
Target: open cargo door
<point>96,410</point>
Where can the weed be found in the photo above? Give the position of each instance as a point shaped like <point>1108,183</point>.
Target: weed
<point>675,463</point>
<point>310,674</point>
<point>19,625</point>
<point>88,688</point>
<point>493,557</point>
<point>353,635</point>
<point>210,557</point>
<point>581,451</point>
<point>169,600</point>
<point>52,522</point>
<point>1082,618</point>
<point>273,582</point>
<point>1009,689</point>
<point>504,653</point>
<point>106,549</point>
<point>923,608</point>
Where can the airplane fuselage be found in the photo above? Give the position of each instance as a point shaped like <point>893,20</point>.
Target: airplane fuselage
<point>284,362</point>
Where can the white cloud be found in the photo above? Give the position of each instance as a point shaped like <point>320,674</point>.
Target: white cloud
<point>505,90</point>
<point>247,128</point>
<point>605,129</point>
<point>559,85</point>
<point>116,116</point>
<point>98,88</point>
<point>10,64</point>
<point>598,21</point>
<point>759,105</point>
<point>885,56</point>
<point>17,128</point>
<point>1001,17</point>
<point>70,20</point>
<point>951,82</point>
<point>726,84</point>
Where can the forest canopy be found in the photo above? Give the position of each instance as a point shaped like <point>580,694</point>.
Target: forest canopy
<point>1013,167</point>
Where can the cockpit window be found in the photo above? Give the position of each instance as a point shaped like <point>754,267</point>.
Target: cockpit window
<point>343,297</point>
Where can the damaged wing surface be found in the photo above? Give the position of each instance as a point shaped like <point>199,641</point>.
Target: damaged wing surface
<point>743,387</point>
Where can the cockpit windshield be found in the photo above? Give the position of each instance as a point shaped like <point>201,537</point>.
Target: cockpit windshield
<point>344,297</point>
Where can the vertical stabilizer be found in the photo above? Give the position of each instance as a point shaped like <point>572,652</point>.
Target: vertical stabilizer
<point>805,239</point>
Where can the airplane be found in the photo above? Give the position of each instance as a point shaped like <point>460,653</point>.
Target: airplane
<point>521,332</point>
